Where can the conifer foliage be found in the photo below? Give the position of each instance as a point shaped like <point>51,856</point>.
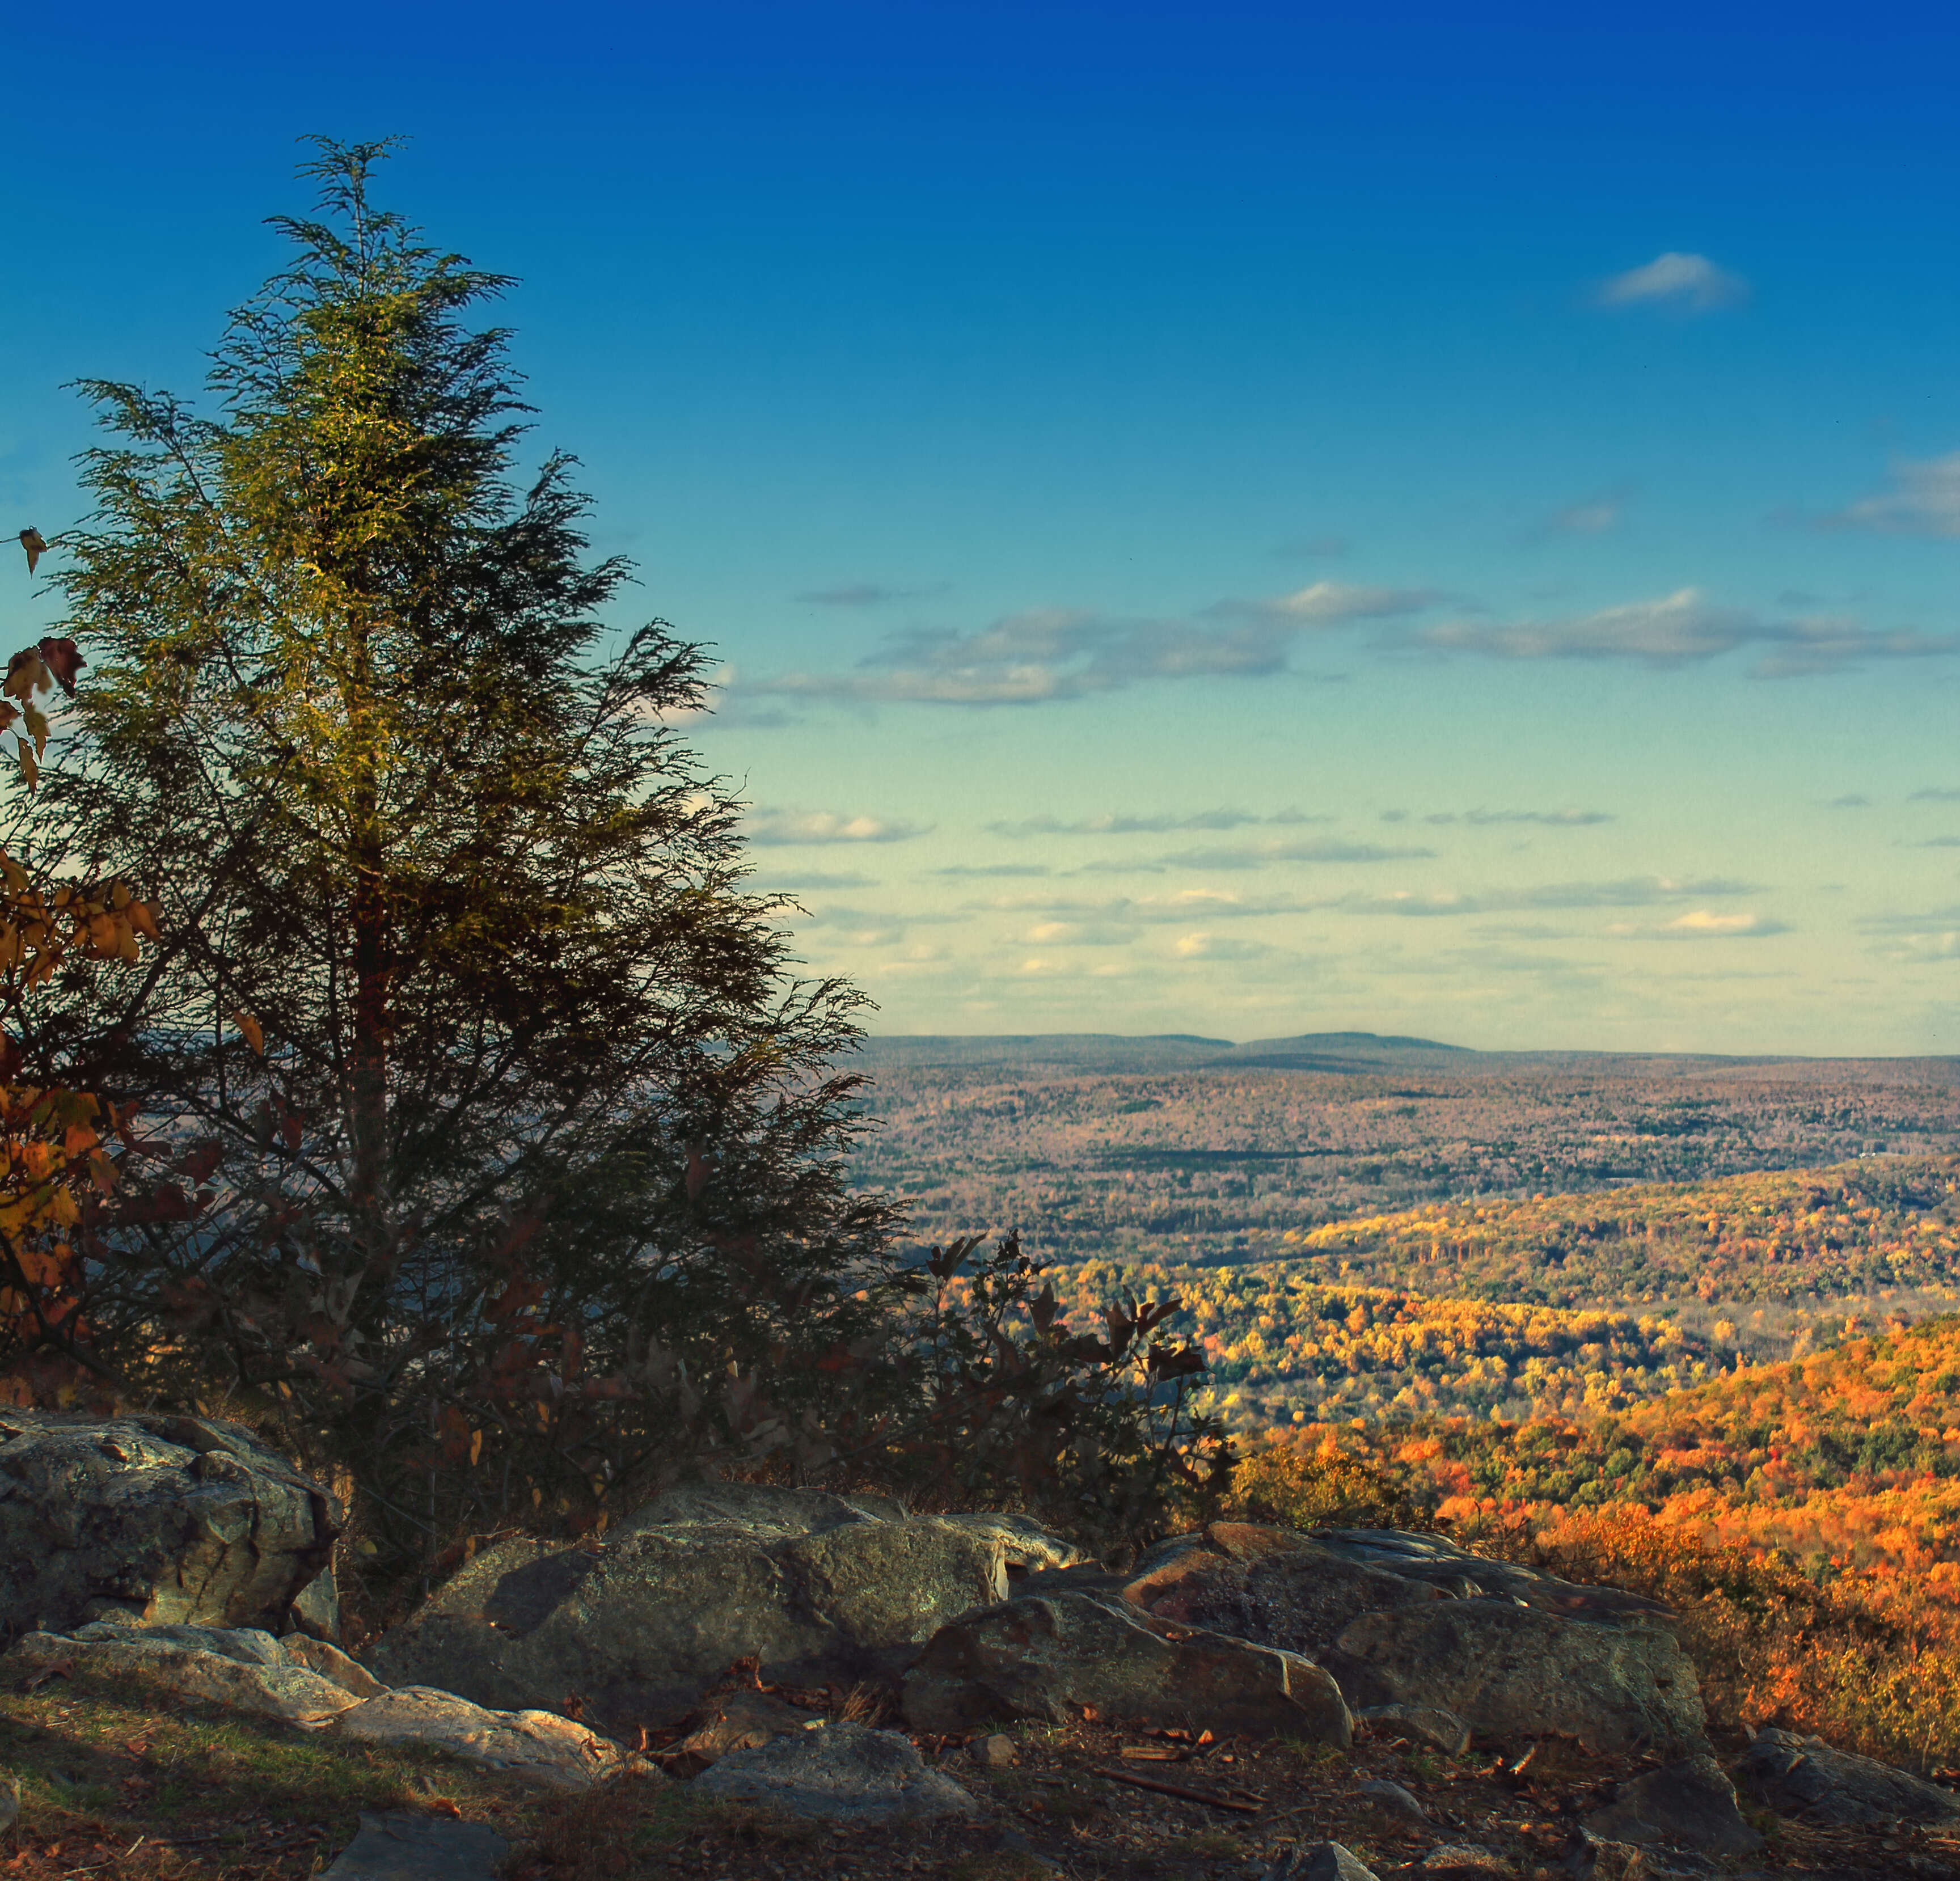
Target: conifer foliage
<point>503,1148</point>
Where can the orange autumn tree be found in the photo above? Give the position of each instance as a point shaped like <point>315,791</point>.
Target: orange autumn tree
<point>55,1165</point>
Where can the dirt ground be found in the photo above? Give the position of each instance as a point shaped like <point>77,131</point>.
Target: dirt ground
<point>122,1781</point>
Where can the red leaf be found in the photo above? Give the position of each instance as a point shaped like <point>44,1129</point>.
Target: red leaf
<point>64,660</point>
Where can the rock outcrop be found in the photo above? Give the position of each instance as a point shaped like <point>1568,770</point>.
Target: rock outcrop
<point>245,1668</point>
<point>534,1747</point>
<point>1690,1804</point>
<point>1410,1620</point>
<point>821,1589</point>
<point>1804,1776</point>
<point>1051,1657</point>
<point>167,1519</point>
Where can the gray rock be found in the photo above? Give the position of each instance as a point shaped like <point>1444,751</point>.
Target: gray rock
<point>243,1669</point>
<point>1050,1657</point>
<point>401,1848</point>
<point>1804,1776</point>
<point>316,1610</point>
<point>995,1751</point>
<point>10,1803</point>
<point>1513,1671</point>
<point>843,1773</point>
<point>1327,1861</point>
<point>1393,1800</point>
<point>1426,1723</point>
<point>1413,1620</point>
<point>168,1519</point>
<point>1690,1804</point>
<point>822,1589</point>
<point>1301,1591</point>
<point>535,1747</point>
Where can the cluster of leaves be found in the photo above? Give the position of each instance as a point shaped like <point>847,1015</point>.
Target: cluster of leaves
<point>58,1166</point>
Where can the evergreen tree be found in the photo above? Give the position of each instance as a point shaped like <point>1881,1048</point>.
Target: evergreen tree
<point>505,1145</point>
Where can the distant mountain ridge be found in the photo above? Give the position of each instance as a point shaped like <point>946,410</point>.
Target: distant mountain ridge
<point>1164,1050</point>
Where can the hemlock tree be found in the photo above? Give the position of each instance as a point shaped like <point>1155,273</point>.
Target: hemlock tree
<point>507,1155</point>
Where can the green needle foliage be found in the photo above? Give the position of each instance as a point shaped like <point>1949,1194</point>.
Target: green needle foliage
<point>505,1158</point>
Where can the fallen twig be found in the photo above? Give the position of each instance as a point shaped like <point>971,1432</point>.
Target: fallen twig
<point>1179,1789</point>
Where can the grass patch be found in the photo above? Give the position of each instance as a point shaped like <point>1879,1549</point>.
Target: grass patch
<point>116,1768</point>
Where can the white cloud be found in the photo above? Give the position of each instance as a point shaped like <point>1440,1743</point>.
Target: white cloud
<point>1319,849</point>
<point>1053,654</point>
<point>1637,891</point>
<point>1115,824</point>
<point>1080,934</point>
<point>1211,947</point>
<point>1924,500</point>
<point>770,828</point>
<point>1703,924</point>
<point>1692,282</point>
<point>1685,626</point>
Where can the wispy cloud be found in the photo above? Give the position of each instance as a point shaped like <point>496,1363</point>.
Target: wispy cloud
<point>1116,824</point>
<point>1262,855</point>
<point>1635,891</point>
<point>1560,818</point>
<point>1060,654</point>
<point>1686,626</point>
<point>1213,947</point>
<point>1595,516</point>
<point>977,870</point>
<point>1690,283</point>
<point>1924,499</point>
<point>768,828</point>
<point>1188,904</point>
<point>1080,934</point>
<point>865,594</point>
<point>1703,924</point>
<point>1934,797</point>
<point>1851,800</point>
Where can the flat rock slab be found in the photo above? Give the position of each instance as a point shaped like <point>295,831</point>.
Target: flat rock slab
<point>535,1747</point>
<point>243,1669</point>
<point>1690,1804</point>
<point>401,1848</point>
<point>1804,1776</point>
<point>844,1773</point>
<point>1052,1657</point>
<point>821,1589</point>
<point>168,1519</point>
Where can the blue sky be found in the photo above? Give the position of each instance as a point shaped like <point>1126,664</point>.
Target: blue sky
<point>1243,520</point>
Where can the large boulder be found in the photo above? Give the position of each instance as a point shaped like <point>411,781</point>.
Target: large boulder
<point>167,1519</point>
<point>1409,1620</point>
<point>1051,1657</point>
<point>1803,1776</point>
<point>821,1589</point>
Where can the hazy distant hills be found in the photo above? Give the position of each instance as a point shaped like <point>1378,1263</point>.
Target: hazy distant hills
<point>1113,1053</point>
